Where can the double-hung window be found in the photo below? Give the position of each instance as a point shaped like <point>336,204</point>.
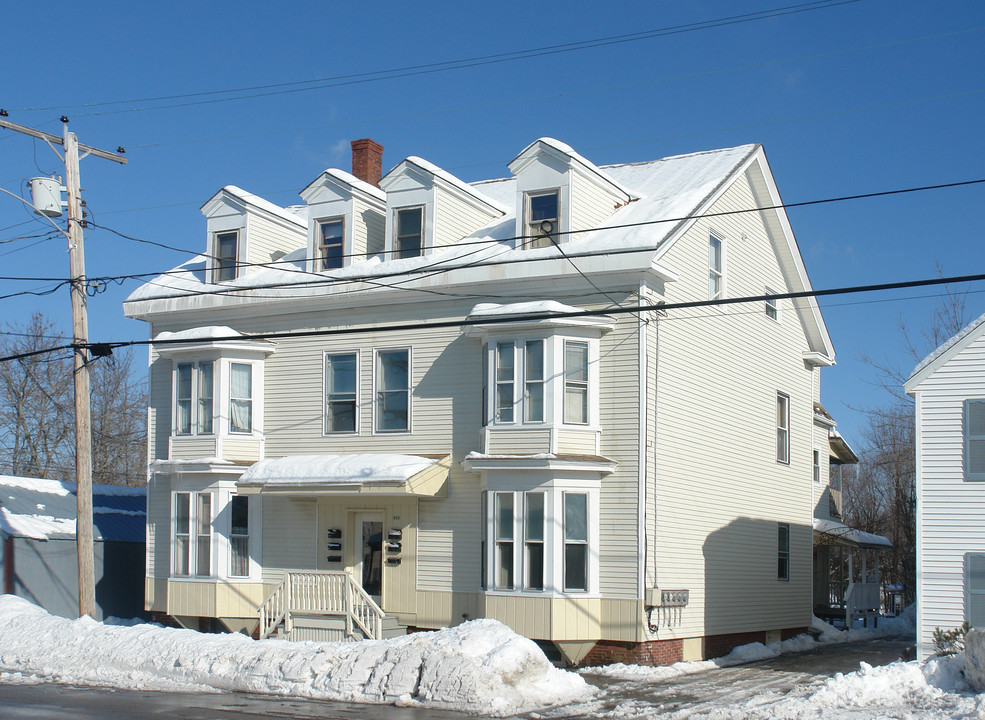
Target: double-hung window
<point>533,381</point>
<point>716,269</point>
<point>533,541</point>
<point>408,236</point>
<point>505,381</point>
<point>330,244</point>
<point>192,534</point>
<point>783,428</point>
<point>224,256</point>
<point>772,305</point>
<point>519,380</point>
<point>575,541</point>
<point>240,398</point>
<point>340,392</point>
<point>817,465</point>
<point>239,536</point>
<point>194,393</point>
<point>503,566</point>
<point>576,382</point>
<point>392,377</point>
<point>974,439</point>
<point>543,219</point>
<point>782,551</point>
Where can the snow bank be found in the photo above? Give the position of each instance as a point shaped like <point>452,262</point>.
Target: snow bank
<point>480,666</point>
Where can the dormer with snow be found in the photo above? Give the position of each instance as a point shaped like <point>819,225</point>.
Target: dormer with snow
<point>428,209</point>
<point>558,191</point>
<point>347,220</point>
<point>247,233</point>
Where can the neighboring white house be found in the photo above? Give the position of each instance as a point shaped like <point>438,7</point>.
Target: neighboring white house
<point>949,389</point>
<point>429,400</point>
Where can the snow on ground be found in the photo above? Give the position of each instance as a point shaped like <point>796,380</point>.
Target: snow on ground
<point>480,666</point>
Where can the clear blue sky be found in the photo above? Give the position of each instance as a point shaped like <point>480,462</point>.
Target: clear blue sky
<point>851,98</point>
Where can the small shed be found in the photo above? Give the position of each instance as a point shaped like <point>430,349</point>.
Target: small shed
<point>39,561</point>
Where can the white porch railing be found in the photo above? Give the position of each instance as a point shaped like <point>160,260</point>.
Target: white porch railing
<point>862,600</point>
<point>321,593</point>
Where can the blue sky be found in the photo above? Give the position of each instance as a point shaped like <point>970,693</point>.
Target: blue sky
<point>848,98</point>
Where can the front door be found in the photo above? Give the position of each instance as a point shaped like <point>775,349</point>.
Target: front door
<point>368,566</point>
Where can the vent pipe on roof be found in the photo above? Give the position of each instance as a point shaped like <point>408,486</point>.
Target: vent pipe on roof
<point>367,160</point>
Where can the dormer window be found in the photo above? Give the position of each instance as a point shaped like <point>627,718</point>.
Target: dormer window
<point>409,235</point>
<point>543,219</point>
<point>331,242</point>
<point>225,254</point>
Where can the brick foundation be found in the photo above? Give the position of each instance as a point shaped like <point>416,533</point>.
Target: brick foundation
<point>653,652</point>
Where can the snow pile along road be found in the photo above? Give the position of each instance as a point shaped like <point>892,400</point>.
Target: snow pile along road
<point>481,666</point>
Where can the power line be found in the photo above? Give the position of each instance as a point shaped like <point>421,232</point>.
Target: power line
<point>502,319</point>
<point>441,66</point>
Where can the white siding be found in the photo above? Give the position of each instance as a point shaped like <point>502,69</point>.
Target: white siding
<point>368,230</point>
<point>289,536</point>
<point>158,526</point>
<point>950,510</point>
<point>265,240</point>
<point>719,486</point>
<point>454,218</point>
<point>590,204</point>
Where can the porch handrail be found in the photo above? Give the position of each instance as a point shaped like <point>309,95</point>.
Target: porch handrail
<point>323,592</point>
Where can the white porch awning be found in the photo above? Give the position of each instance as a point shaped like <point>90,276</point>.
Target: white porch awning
<point>360,474</point>
<point>829,532</point>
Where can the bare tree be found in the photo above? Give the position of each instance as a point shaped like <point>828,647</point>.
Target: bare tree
<point>881,496</point>
<point>37,416</point>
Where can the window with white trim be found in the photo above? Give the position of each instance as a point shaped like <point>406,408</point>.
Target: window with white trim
<point>392,381</point>
<point>783,428</point>
<point>575,541</point>
<point>975,584</point>
<point>239,536</point>
<point>716,268</point>
<point>505,381</point>
<point>816,465</point>
<point>240,398</point>
<point>533,381</point>
<point>540,540</point>
<point>782,551</point>
<point>192,522</point>
<point>341,392</point>
<point>772,305</point>
<point>576,382</point>
<point>543,219</point>
<point>408,236</point>
<point>974,439</point>
<point>331,236</point>
<point>194,392</point>
<point>225,255</point>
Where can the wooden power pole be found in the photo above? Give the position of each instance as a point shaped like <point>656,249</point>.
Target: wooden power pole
<point>80,341</point>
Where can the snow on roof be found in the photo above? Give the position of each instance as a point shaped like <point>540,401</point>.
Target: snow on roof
<point>265,205</point>
<point>478,667</point>
<point>570,152</point>
<point>355,182</point>
<point>671,189</point>
<point>537,307</point>
<point>944,347</point>
<point>452,180</point>
<point>46,509</point>
<point>850,536</point>
<point>206,332</point>
<point>360,468</point>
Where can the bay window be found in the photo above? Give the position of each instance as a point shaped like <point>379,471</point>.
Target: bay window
<point>192,534</point>
<point>505,371</point>
<point>533,541</point>
<point>241,398</point>
<point>194,392</point>
<point>533,381</point>
<point>239,536</point>
<point>576,382</point>
<point>504,541</point>
<point>575,541</point>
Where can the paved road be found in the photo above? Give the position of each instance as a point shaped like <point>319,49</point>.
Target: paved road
<point>626,700</point>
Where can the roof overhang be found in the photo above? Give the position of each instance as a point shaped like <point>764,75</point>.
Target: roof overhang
<point>829,532</point>
<point>357,474</point>
<point>476,462</point>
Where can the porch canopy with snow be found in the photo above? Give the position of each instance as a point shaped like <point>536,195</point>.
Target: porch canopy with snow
<point>854,588</point>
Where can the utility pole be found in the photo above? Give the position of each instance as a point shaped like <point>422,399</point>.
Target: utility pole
<point>80,341</point>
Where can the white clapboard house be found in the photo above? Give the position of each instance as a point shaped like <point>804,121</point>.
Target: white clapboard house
<point>949,389</point>
<point>411,401</point>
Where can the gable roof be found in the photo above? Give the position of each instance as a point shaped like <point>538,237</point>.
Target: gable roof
<point>289,215</point>
<point>948,349</point>
<point>46,510</point>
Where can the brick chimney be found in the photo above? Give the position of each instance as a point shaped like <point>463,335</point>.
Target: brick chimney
<point>367,160</point>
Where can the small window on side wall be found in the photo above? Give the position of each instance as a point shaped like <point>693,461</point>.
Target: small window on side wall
<point>782,551</point>
<point>783,428</point>
<point>974,439</point>
<point>772,305</point>
<point>224,256</point>
<point>716,268</point>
